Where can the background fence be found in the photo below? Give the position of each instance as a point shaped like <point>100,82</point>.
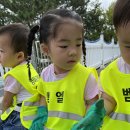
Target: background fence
<point>99,53</point>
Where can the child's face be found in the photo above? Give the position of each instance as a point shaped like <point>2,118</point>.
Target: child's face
<point>65,49</point>
<point>7,56</point>
<point>123,35</point>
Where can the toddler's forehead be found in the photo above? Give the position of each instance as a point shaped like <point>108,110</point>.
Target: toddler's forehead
<point>68,24</point>
<point>124,25</point>
<point>72,21</point>
<point>124,28</point>
<point>123,33</point>
<point>5,39</point>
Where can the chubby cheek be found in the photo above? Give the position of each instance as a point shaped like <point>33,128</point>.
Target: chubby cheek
<point>5,58</point>
<point>2,60</point>
<point>81,53</point>
<point>126,55</point>
<point>1,57</point>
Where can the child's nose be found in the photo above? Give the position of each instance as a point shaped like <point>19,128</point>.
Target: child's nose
<point>72,52</point>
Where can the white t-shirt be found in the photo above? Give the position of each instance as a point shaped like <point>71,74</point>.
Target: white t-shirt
<point>123,66</point>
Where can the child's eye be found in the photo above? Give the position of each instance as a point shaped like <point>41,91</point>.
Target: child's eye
<point>78,45</point>
<point>127,46</point>
<point>1,50</point>
<point>63,46</point>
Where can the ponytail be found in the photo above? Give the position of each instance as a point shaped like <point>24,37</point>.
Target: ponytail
<point>31,37</point>
<point>84,52</point>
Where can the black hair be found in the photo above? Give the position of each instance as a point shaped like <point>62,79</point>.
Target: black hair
<point>19,36</point>
<point>21,39</point>
<point>31,37</point>
<point>121,15</point>
<point>50,22</point>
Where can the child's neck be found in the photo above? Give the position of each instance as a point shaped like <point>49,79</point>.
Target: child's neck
<point>58,70</point>
<point>19,63</point>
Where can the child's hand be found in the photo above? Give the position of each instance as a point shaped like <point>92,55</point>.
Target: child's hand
<point>93,119</point>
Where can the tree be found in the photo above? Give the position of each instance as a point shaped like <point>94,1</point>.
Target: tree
<point>108,29</point>
<point>30,11</point>
<point>4,16</point>
<point>91,14</point>
<point>25,11</point>
<point>94,21</point>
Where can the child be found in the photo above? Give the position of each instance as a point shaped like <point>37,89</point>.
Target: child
<point>115,79</point>
<point>21,99</point>
<point>69,86</point>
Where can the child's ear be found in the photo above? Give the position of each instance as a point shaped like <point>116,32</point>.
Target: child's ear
<point>20,56</point>
<point>44,49</point>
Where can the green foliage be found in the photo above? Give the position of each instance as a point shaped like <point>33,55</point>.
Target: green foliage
<point>30,11</point>
<point>94,21</point>
<point>108,29</point>
<point>25,11</point>
<point>4,16</point>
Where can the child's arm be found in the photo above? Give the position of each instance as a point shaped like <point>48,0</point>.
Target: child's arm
<point>7,100</point>
<point>42,101</point>
<point>91,101</point>
<point>109,102</point>
<point>91,91</point>
<point>11,88</point>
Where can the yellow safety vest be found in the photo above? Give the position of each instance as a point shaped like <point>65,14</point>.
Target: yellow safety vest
<point>65,99</point>
<point>117,85</point>
<point>29,106</point>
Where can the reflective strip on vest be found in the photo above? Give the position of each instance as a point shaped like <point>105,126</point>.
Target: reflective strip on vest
<point>64,115</point>
<point>8,110</point>
<point>119,116</point>
<point>44,128</point>
<point>31,104</point>
<point>26,118</point>
<point>17,108</point>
